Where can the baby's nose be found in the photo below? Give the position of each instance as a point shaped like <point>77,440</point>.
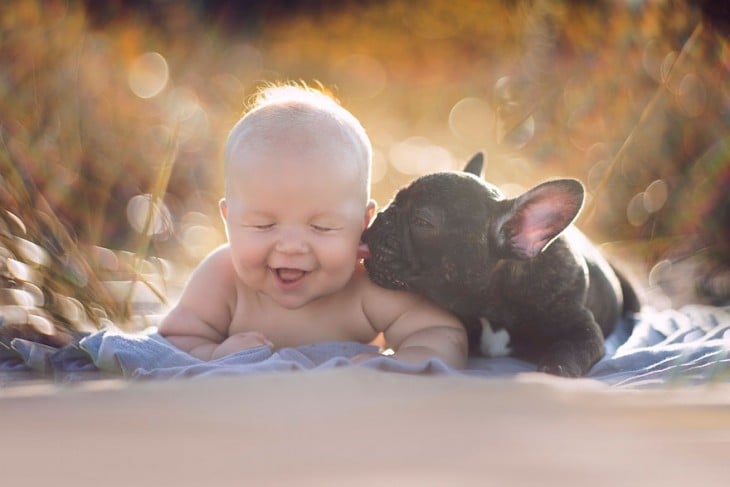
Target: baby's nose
<point>291,241</point>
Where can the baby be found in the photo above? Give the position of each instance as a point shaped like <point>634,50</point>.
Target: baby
<point>297,198</point>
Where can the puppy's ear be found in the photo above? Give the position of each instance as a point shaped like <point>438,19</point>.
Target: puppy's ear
<point>475,164</point>
<point>538,216</point>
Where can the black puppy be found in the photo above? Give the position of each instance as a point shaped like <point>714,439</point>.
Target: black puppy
<point>513,270</point>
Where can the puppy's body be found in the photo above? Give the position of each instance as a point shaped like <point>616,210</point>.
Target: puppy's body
<point>507,263</point>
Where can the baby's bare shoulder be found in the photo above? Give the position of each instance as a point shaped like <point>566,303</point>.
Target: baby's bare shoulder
<point>220,257</point>
<point>383,306</point>
<point>206,303</point>
<point>216,266</point>
<point>213,276</point>
<point>371,293</point>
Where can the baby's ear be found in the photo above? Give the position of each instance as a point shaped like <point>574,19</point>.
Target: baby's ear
<point>223,207</point>
<point>369,213</point>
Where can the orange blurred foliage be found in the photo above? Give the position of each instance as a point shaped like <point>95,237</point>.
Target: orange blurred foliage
<point>617,94</point>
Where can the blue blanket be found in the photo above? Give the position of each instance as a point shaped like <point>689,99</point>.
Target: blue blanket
<point>652,349</point>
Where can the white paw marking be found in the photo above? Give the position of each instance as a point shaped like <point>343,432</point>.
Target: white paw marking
<point>494,344</point>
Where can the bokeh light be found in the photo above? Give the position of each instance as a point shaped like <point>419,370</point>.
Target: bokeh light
<point>147,216</point>
<point>636,211</point>
<point>692,95</point>
<point>199,234</point>
<point>656,195</point>
<point>32,252</point>
<point>148,75</point>
<point>21,271</point>
<point>519,136</point>
<point>472,120</point>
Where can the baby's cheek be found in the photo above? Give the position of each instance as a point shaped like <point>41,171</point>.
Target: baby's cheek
<point>341,252</point>
<point>250,260</point>
<point>338,262</point>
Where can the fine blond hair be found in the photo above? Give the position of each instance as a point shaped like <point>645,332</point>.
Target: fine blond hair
<point>293,105</point>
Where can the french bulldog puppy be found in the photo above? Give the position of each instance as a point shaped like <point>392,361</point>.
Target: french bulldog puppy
<point>515,271</point>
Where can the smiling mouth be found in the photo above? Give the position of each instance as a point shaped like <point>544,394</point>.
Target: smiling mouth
<point>289,276</point>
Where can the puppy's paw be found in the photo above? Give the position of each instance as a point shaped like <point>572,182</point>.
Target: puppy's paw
<point>562,359</point>
<point>561,370</point>
<point>493,343</point>
<point>572,357</point>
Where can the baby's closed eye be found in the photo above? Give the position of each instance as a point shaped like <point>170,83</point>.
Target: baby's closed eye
<point>259,226</point>
<point>325,228</point>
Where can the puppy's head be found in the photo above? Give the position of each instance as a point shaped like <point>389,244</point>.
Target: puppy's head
<point>443,235</point>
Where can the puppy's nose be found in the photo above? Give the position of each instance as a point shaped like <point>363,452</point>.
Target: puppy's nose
<point>363,251</point>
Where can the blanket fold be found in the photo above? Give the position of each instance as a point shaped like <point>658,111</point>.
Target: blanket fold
<point>654,348</point>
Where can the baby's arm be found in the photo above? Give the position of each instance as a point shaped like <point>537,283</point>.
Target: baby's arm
<point>445,342</point>
<point>240,341</point>
<point>199,322</point>
<point>417,329</point>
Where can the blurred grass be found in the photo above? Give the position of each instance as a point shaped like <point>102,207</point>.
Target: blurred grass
<point>112,119</point>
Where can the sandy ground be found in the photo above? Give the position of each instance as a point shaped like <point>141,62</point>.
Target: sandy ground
<point>358,427</point>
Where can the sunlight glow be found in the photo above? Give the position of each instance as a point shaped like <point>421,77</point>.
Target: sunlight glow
<point>187,118</point>
<point>379,167</point>
<point>417,155</point>
<point>360,76</point>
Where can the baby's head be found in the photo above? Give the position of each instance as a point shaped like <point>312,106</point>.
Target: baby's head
<point>297,194</point>
<point>303,118</point>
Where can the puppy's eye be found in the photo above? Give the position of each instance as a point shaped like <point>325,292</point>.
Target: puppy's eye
<point>425,219</point>
<point>421,222</point>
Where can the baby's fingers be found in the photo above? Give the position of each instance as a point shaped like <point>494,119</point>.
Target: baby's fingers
<point>240,341</point>
<point>252,339</point>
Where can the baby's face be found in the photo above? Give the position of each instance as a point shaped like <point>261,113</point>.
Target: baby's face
<point>294,213</point>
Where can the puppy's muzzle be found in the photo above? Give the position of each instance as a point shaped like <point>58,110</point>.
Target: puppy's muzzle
<point>388,264</point>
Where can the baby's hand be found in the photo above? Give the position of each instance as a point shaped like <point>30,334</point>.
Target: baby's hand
<point>240,341</point>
